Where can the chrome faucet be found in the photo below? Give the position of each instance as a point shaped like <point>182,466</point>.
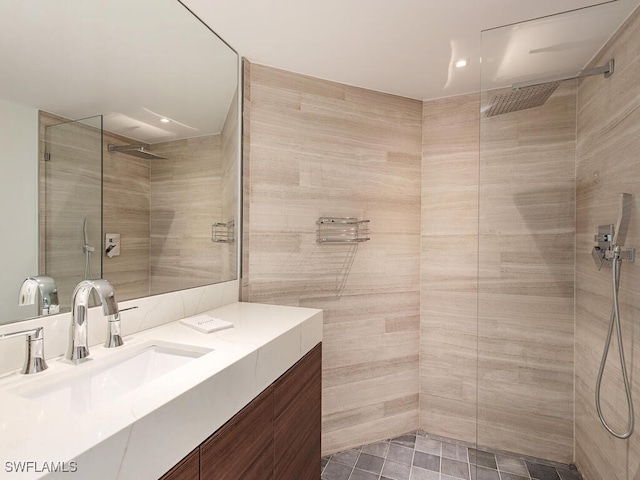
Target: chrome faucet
<point>34,361</point>
<point>48,293</point>
<point>78,339</point>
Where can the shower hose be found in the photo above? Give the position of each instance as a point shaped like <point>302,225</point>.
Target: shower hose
<point>615,321</point>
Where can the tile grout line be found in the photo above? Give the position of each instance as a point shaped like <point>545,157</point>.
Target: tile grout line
<point>384,460</point>
<point>355,463</point>
<point>413,455</point>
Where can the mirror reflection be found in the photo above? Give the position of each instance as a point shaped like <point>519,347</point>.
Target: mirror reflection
<point>119,130</point>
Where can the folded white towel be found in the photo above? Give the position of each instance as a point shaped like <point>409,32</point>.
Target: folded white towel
<point>206,323</point>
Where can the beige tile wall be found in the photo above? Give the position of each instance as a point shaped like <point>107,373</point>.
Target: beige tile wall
<point>448,294</point>
<point>526,278</point>
<point>127,193</point>
<point>508,372</point>
<point>303,145</point>
<point>70,191</point>
<point>186,200</point>
<point>318,148</point>
<point>608,163</point>
<point>230,157</point>
<point>165,247</point>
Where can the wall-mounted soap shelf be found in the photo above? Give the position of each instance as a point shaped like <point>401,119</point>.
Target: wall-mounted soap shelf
<point>223,232</point>
<point>342,230</point>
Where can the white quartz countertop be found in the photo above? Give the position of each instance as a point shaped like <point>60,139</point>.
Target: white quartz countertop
<point>143,433</point>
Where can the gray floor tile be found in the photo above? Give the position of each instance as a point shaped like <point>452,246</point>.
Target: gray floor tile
<point>483,459</point>
<point>512,465</point>
<point>454,468</point>
<point>396,471</point>
<point>379,449</point>
<point>428,445</point>
<point>370,463</point>
<point>418,457</point>
<point>406,440</point>
<point>362,475</point>
<point>336,471</point>
<point>422,474</point>
<point>567,474</point>
<point>349,458</point>
<point>482,473</point>
<point>400,454</point>
<point>455,452</point>
<point>426,461</point>
<point>513,476</point>
<point>542,472</point>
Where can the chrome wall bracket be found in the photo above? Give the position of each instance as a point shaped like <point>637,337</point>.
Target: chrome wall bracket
<point>606,251</point>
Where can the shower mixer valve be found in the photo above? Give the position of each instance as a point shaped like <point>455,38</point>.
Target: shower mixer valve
<point>606,251</point>
<point>611,238</point>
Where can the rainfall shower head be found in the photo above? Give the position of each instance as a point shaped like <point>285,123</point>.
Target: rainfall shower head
<point>137,150</point>
<point>521,99</point>
<point>535,93</point>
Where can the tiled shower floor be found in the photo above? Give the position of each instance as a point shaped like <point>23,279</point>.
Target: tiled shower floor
<point>418,456</point>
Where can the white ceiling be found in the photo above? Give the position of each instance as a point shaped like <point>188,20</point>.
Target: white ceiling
<point>134,62</point>
<point>405,47</point>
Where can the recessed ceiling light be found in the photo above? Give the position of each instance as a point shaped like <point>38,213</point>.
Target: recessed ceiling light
<point>461,63</point>
<point>164,120</point>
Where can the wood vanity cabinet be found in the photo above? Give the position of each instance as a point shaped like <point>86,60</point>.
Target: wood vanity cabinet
<point>275,437</point>
<point>187,469</point>
<point>243,447</point>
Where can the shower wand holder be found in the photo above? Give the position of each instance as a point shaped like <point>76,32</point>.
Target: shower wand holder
<point>606,251</point>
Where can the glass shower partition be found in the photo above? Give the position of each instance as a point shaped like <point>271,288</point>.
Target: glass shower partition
<point>71,210</point>
<point>534,403</point>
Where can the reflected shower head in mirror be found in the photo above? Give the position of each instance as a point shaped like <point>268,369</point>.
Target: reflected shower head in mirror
<point>137,150</point>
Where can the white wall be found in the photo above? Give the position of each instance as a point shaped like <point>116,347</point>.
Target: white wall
<point>18,205</point>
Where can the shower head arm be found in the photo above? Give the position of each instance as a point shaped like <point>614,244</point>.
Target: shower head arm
<point>126,148</point>
<point>137,150</point>
<point>607,69</point>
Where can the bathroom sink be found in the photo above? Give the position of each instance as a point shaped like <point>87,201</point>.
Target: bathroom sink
<point>100,381</point>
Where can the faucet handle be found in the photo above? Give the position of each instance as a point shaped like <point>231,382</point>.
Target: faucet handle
<point>34,361</point>
<point>114,339</point>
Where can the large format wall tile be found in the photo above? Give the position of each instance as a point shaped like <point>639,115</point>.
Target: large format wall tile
<point>318,148</point>
<point>525,279</point>
<point>70,191</point>
<point>448,296</point>
<point>496,355</point>
<point>608,163</point>
<point>185,201</point>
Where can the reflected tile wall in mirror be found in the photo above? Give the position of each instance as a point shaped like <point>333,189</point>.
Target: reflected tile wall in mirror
<point>160,63</point>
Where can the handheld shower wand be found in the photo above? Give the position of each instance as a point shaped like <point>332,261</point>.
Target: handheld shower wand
<point>88,250</point>
<point>609,251</point>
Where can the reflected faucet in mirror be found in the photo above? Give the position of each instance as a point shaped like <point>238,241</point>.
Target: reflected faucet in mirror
<point>78,333</point>
<point>57,124</point>
<point>48,293</point>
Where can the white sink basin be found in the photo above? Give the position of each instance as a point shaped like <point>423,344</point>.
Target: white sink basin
<point>104,380</point>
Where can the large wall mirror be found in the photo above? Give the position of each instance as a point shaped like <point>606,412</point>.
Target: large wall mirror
<point>119,150</point>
